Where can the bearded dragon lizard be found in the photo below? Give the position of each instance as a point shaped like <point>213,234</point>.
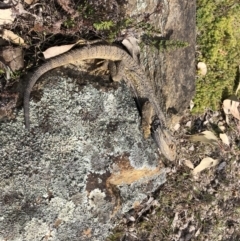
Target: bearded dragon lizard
<point>132,73</point>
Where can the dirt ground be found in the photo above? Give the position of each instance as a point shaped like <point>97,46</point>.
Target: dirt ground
<point>193,207</point>
<point>205,206</point>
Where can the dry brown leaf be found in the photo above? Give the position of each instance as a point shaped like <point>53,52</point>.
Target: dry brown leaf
<point>202,67</point>
<point>28,1</point>
<point>7,16</point>
<point>188,163</point>
<point>204,164</point>
<point>191,105</point>
<point>206,137</point>
<point>227,106</point>
<point>131,44</point>
<point>13,57</point>
<point>230,106</point>
<point>37,28</point>
<point>12,37</point>
<point>57,50</point>
<point>66,5</point>
<point>224,139</point>
<point>22,11</point>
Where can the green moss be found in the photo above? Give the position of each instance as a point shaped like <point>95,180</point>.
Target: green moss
<point>69,23</point>
<point>171,44</point>
<point>146,226</point>
<point>110,29</point>
<point>219,47</point>
<point>104,25</point>
<point>116,236</point>
<point>87,10</point>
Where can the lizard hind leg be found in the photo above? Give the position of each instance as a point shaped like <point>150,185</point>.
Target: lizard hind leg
<point>147,118</point>
<point>116,69</point>
<point>101,69</point>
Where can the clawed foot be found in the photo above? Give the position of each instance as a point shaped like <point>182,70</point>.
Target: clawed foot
<point>101,69</point>
<point>147,118</point>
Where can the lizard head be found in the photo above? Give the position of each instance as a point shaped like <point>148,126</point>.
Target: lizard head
<point>165,143</point>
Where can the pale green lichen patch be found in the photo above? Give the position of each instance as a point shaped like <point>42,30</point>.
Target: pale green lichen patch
<point>76,133</point>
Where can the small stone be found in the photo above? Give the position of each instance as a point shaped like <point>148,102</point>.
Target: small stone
<point>202,67</point>
<point>206,122</point>
<point>132,219</point>
<point>221,166</point>
<point>176,127</point>
<point>191,105</point>
<point>191,148</point>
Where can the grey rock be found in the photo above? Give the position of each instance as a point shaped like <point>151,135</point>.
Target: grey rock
<point>83,164</point>
<point>171,71</point>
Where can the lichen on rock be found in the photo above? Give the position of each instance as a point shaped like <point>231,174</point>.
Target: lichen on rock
<point>83,162</point>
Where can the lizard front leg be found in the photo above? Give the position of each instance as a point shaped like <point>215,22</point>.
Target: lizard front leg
<point>147,118</point>
<point>161,135</point>
<point>101,68</point>
<point>116,69</point>
<point>165,142</point>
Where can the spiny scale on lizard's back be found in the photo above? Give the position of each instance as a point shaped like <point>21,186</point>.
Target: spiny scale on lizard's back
<point>98,51</point>
<point>144,89</point>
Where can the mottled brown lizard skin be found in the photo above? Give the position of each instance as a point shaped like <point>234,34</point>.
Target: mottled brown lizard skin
<point>133,75</point>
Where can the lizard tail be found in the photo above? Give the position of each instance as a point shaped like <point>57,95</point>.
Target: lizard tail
<point>49,65</point>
